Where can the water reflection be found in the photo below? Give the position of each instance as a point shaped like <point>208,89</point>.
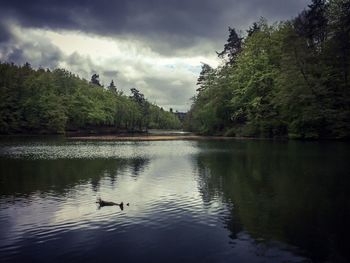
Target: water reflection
<point>243,201</point>
<point>25,176</point>
<point>288,192</point>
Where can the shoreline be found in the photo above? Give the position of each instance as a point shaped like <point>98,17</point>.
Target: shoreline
<point>156,137</point>
<point>149,138</point>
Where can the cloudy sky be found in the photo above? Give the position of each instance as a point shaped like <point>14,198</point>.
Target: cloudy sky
<point>156,46</point>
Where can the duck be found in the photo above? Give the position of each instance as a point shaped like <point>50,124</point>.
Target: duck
<point>108,203</point>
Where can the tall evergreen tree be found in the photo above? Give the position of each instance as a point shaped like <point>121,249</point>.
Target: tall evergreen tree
<point>204,76</point>
<point>232,48</point>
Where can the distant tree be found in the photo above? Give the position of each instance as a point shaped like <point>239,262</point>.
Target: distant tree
<point>112,87</point>
<point>144,107</point>
<point>41,101</point>
<point>95,80</point>
<point>137,96</point>
<point>27,65</point>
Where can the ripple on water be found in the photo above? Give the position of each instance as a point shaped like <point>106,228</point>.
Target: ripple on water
<point>90,150</point>
<point>171,208</point>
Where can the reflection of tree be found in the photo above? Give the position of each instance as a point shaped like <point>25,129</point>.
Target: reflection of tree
<point>28,176</point>
<point>137,166</point>
<point>214,169</point>
<point>292,192</point>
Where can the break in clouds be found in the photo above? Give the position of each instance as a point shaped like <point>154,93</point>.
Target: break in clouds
<point>156,46</point>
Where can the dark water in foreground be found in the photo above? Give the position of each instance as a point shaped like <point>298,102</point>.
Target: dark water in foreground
<point>206,201</point>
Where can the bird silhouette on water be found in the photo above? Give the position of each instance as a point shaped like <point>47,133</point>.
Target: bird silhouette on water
<point>103,203</point>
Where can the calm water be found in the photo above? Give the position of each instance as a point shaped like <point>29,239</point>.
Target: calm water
<point>206,201</point>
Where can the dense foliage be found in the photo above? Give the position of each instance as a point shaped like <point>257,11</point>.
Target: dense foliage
<point>287,79</point>
<point>41,101</point>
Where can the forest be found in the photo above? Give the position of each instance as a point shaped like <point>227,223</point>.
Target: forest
<point>287,79</point>
<point>54,102</point>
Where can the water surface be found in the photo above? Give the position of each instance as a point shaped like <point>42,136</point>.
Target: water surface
<point>205,201</point>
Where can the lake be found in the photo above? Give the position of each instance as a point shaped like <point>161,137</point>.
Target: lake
<point>190,201</point>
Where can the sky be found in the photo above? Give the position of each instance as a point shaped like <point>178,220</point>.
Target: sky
<point>156,46</point>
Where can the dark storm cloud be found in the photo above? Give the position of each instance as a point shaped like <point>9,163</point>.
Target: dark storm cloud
<point>179,17</point>
<point>177,23</point>
<point>42,55</point>
<point>37,50</point>
<point>5,34</point>
<point>40,52</point>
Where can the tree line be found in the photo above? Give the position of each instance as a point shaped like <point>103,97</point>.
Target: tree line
<point>288,79</point>
<point>44,101</point>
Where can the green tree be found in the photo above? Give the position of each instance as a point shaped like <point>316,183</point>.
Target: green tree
<point>233,46</point>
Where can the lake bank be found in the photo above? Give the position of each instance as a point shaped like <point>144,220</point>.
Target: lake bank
<point>150,135</point>
<point>149,138</point>
<point>153,136</point>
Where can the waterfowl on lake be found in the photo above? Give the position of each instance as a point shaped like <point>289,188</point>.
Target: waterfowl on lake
<point>107,203</point>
